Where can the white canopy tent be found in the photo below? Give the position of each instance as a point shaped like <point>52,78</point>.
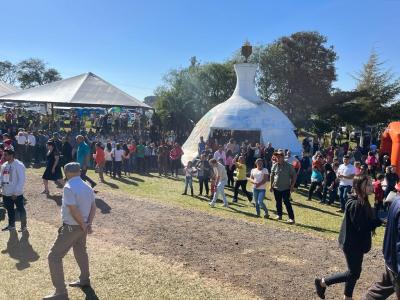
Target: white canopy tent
<point>83,90</point>
<point>6,88</point>
<point>245,111</point>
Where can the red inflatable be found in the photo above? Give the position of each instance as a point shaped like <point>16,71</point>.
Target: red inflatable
<point>390,143</point>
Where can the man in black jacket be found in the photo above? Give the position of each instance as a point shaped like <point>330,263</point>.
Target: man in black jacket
<point>390,282</point>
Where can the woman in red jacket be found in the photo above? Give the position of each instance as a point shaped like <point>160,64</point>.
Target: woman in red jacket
<point>175,156</point>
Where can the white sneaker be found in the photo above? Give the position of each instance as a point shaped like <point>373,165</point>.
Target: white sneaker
<point>290,221</point>
<point>211,204</point>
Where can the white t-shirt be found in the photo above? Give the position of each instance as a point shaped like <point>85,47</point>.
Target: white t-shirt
<point>21,139</point>
<point>346,171</point>
<point>107,155</point>
<point>118,154</point>
<point>31,140</point>
<point>258,176</point>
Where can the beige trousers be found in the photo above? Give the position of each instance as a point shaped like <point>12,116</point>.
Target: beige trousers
<point>69,236</point>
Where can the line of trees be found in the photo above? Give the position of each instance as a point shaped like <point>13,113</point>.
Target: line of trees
<point>296,73</point>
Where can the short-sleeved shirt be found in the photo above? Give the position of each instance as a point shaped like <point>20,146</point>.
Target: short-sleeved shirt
<point>140,151</point>
<point>100,156</point>
<point>258,176</point>
<point>241,171</point>
<point>118,154</point>
<point>220,171</point>
<point>82,152</point>
<point>346,171</point>
<point>281,176</point>
<point>76,192</point>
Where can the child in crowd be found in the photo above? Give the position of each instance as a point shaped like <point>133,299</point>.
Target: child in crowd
<point>371,162</point>
<point>212,185</point>
<point>357,165</point>
<point>230,168</point>
<point>189,172</point>
<point>379,194</point>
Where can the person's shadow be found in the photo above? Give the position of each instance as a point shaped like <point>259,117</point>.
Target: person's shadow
<point>21,250</point>
<point>103,206</point>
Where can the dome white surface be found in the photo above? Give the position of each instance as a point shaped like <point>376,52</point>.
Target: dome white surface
<point>245,111</point>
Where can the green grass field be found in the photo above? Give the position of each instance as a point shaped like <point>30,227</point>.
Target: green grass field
<point>311,216</point>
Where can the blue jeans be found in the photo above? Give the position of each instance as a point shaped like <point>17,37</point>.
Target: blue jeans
<point>343,191</point>
<point>258,196</point>
<point>220,190</point>
<point>189,182</point>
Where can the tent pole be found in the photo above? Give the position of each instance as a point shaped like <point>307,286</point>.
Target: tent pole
<point>52,115</point>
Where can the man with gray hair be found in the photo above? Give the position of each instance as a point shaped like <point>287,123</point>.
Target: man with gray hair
<point>77,210</point>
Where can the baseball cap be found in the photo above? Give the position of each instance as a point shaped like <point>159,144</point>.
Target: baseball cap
<point>280,152</point>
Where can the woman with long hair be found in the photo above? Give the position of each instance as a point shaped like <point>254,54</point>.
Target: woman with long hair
<point>125,160</point>
<point>109,159</point>
<point>358,226</point>
<point>53,168</point>
<point>99,158</point>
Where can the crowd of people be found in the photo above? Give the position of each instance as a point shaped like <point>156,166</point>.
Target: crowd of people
<point>327,172</point>
<point>337,173</point>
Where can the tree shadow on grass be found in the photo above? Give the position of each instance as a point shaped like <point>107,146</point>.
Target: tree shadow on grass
<point>298,204</point>
<point>103,206</point>
<point>21,250</point>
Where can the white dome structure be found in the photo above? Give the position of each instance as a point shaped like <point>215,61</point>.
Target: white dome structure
<point>244,111</point>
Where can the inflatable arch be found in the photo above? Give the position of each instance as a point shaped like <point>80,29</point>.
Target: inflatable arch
<point>390,143</point>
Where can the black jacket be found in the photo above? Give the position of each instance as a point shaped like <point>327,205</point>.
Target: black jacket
<point>391,243</point>
<point>357,226</point>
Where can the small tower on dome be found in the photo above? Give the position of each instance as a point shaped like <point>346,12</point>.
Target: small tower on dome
<point>247,49</point>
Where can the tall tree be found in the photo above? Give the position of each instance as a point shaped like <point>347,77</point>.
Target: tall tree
<point>374,101</point>
<point>190,92</point>
<point>8,72</point>
<point>33,72</point>
<point>296,74</point>
<point>381,90</point>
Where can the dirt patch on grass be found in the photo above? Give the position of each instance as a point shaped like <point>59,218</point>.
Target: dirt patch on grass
<point>271,263</point>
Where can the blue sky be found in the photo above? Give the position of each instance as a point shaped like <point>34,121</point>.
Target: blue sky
<point>132,44</point>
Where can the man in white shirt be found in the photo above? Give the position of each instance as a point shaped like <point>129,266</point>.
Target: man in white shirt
<point>77,211</point>
<point>345,174</point>
<point>31,146</point>
<point>21,145</point>
<point>220,181</point>
<point>12,178</point>
<point>220,155</point>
